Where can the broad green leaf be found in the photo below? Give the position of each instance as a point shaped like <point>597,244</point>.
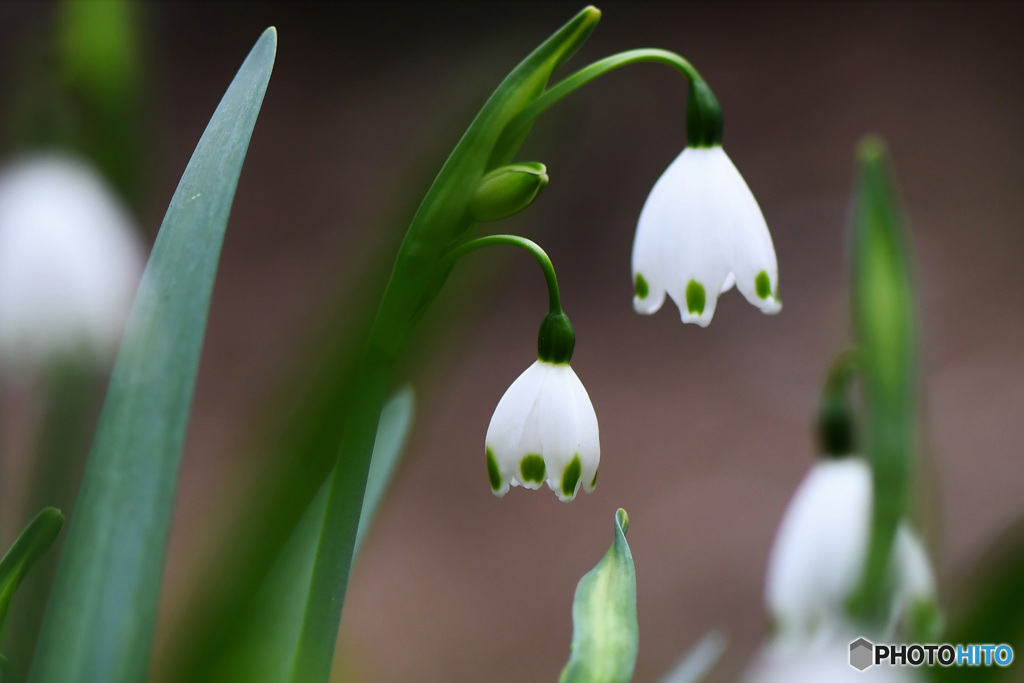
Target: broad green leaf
<point>31,545</point>
<point>101,615</point>
<point>695,665</point>
<point>263,647</point>
<point>883,306</point>
<point>604,626</point>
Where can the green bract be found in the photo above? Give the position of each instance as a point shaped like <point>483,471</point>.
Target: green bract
<point>605,635</point>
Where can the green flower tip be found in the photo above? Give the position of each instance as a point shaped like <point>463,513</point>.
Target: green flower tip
<point>532,468</point>
<point>763,285</point>
<point>493,473</point>
<point>695,297</point>
<point>642,288</point>
<point>571,476</point>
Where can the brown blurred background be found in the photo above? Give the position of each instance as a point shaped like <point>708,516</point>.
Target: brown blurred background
<point>705,433</point>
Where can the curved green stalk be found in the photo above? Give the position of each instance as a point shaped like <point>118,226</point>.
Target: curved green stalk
<point>700,94</point>
<point>554,300</point>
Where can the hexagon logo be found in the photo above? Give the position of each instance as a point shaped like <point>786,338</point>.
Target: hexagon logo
<point>861,654</point>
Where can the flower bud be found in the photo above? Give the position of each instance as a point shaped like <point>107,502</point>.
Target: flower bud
<point>507,190</point>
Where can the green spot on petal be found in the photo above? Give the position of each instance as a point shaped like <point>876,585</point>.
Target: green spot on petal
<point>762,285</point>
<point>571,476</point>
<point>642,290</point>
<point>532,468</point>
<point>593,482</point>
<point>695,298</point>
<point>492,471</point>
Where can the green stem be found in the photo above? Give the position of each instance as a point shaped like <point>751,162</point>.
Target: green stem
<point>554,300</point>
<point>600,68</point>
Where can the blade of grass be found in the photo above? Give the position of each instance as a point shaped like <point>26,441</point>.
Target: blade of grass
<point>101,615</point>
<point>31,545</point>
<point>262,648</point>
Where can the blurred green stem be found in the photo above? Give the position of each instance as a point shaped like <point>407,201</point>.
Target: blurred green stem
<point>883,306</point>
<point>57,462</point>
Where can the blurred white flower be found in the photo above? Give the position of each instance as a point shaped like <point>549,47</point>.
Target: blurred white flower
<point>701,232</point>
<point>819,553</point>
<point>826,662</point>
<point>70,261</point>
<point>544,428</point>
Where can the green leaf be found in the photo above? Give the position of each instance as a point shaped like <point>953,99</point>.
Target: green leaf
<point>695,665</point>
<point>883,306</point>
<point>604,626</point>
<point>263,646</point>
<point>31,545</point>
<point>101,615</point>
<point>7,673</point>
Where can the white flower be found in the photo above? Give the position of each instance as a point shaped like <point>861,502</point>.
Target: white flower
<point>701,232</point>
<point>819,553</point>
<point>544,428</point>
<point>826,662</point>
<point>69,261</point>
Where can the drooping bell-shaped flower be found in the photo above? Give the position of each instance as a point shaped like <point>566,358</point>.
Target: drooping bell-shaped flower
<point>819,553</point>
<point>701,232</point>
<point>544,427</point>
<point>70,260</point>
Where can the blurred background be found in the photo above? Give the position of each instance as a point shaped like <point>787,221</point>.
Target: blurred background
<point>705,433</point>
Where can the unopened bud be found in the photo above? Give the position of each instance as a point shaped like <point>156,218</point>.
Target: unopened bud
<point>507,190</point>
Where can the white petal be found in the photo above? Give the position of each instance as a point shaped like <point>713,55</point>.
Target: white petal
<point>70,260</point>
<point>819,549</point>
<point>590,438</point>
<point>559,427</point>
<point>570,434</point>
<point>686,235</point>
<point>512,432</point>
<point>824,662</point>
<point>915,579</point>
<point>754,252</point>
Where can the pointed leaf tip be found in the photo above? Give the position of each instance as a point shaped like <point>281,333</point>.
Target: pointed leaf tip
<point>605,635</point>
